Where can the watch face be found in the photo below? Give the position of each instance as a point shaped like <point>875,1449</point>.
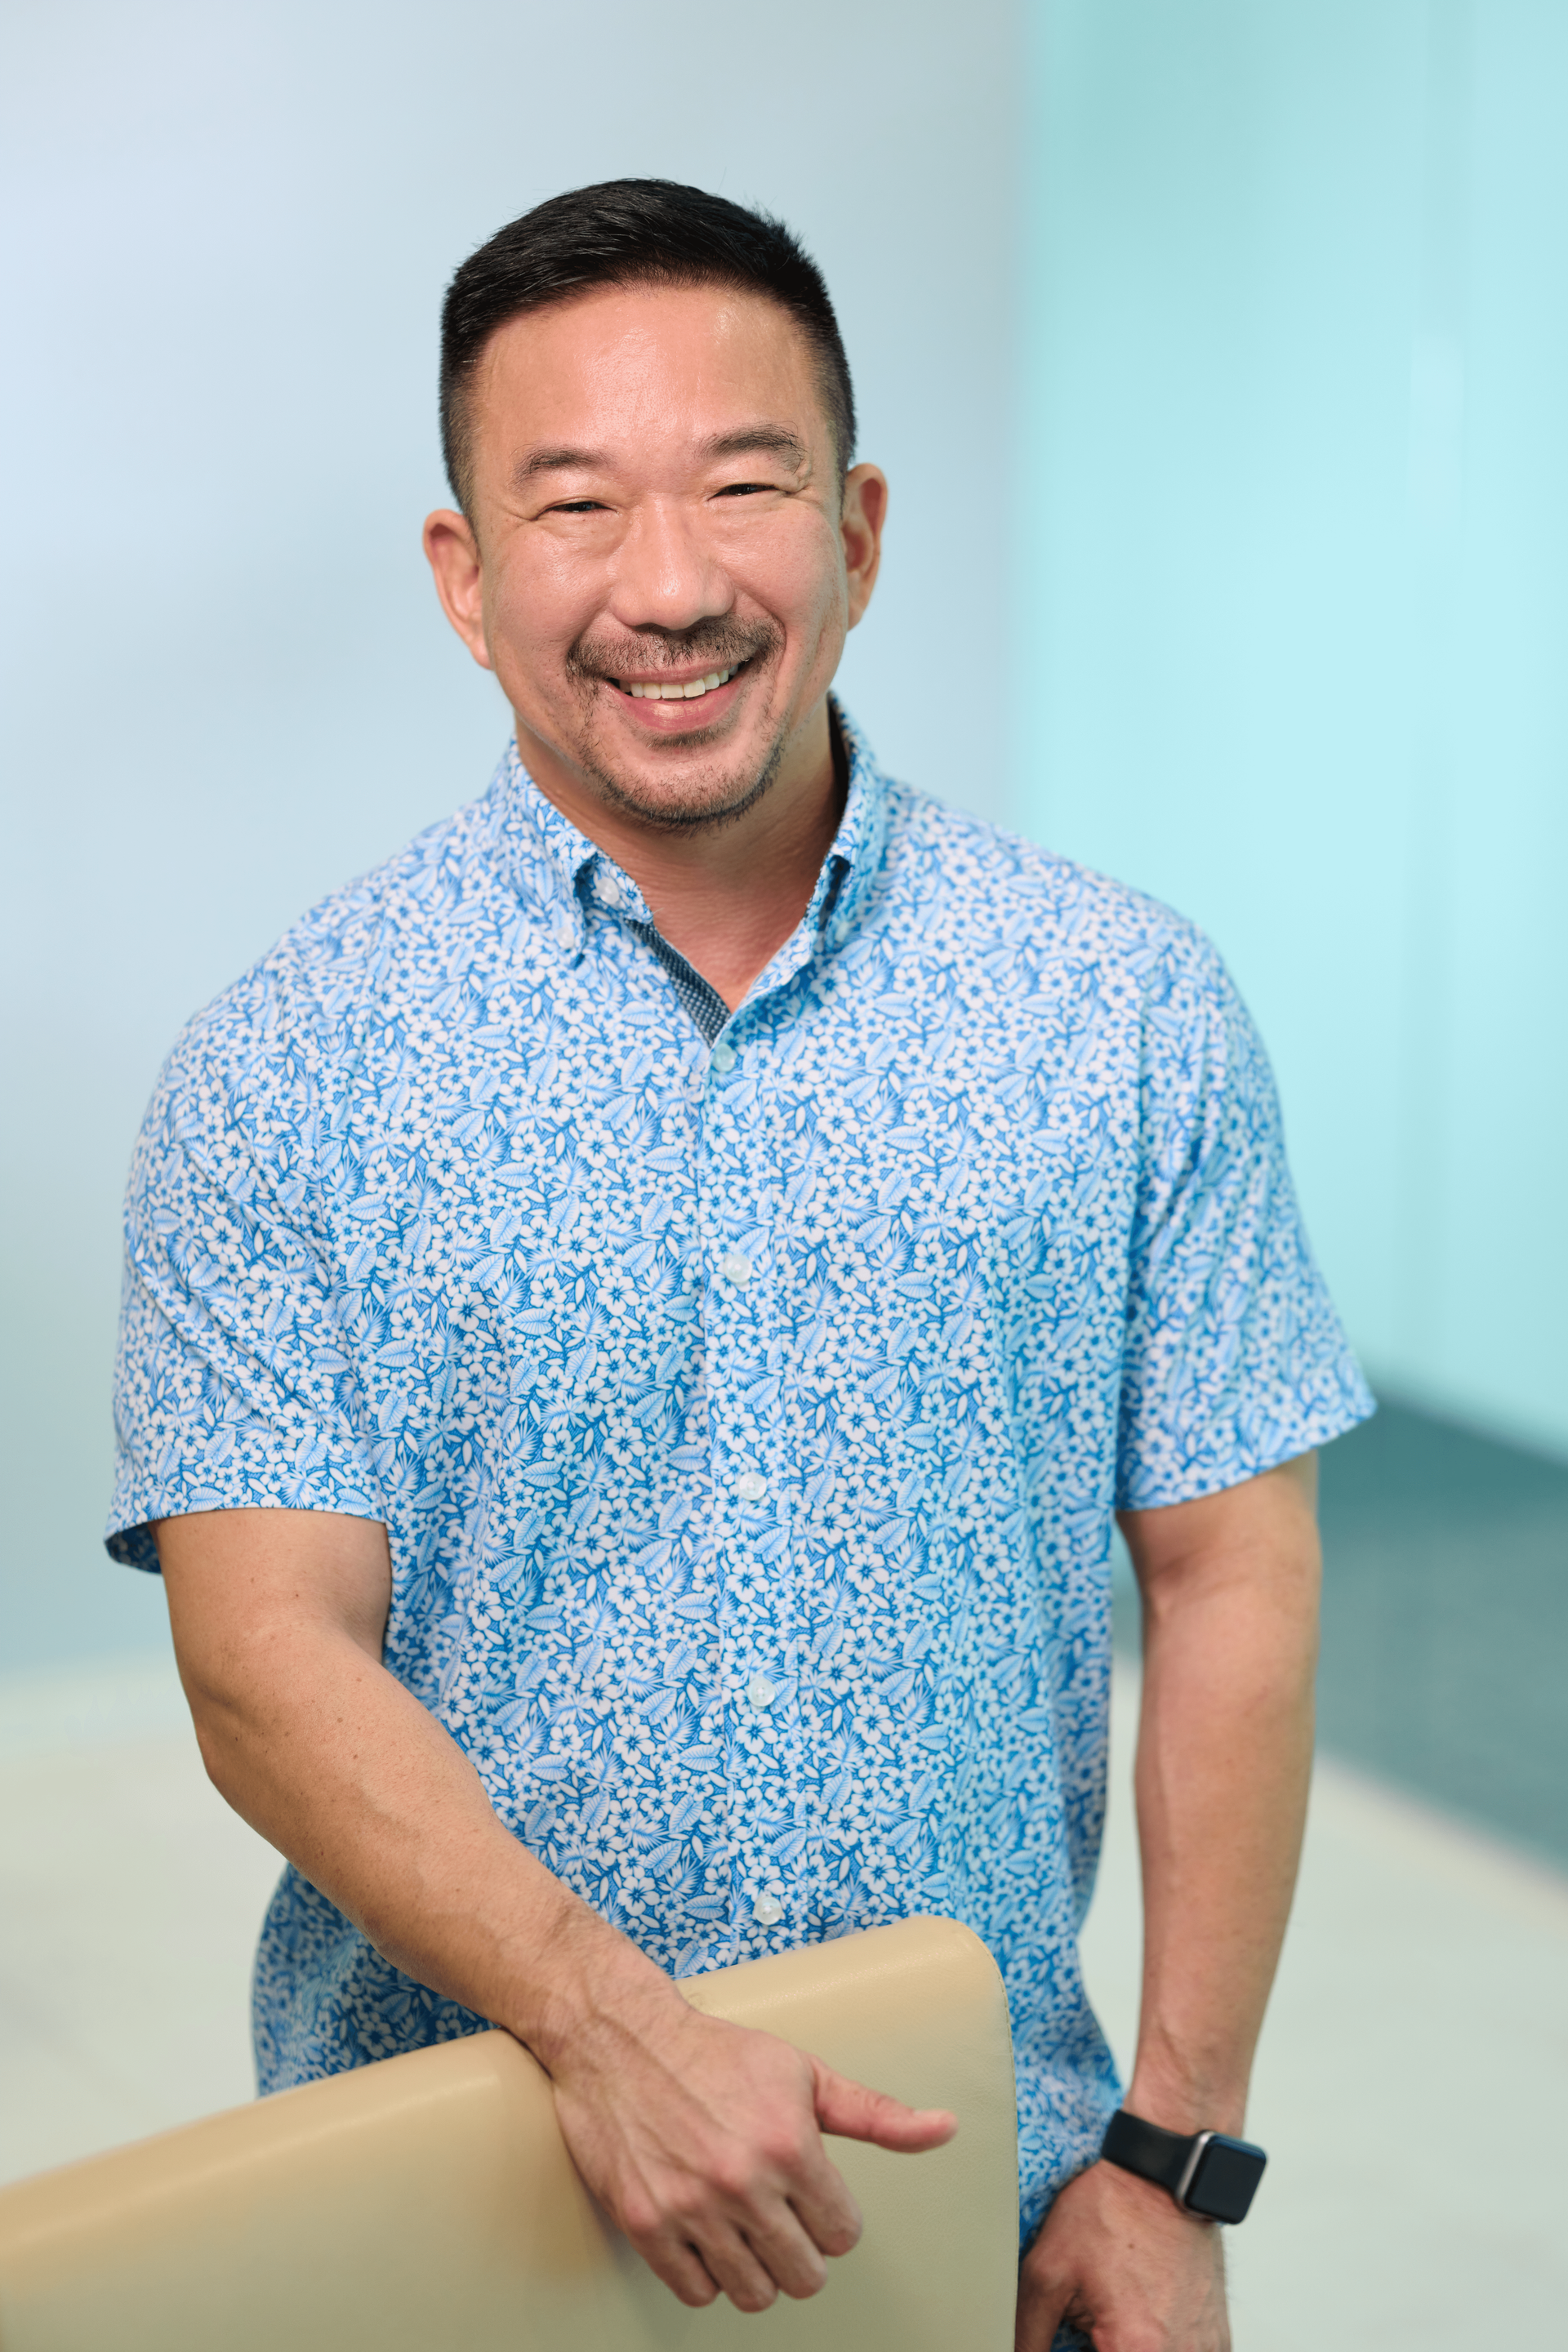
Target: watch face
<point>1226,2179</point>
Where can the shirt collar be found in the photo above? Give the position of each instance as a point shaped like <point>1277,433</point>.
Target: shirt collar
<point>852,863</point>
<point>548,854</point>
<point>559,867</point>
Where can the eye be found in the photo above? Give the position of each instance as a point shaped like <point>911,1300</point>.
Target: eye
<point>579,506</point>
<point>743,490</point>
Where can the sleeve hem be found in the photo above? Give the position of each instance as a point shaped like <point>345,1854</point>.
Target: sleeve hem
<point>130,1539</point>
<point>133,1547</point>
<point>1210,1478</point>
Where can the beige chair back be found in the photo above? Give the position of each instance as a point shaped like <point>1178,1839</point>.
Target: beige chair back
<point>427,2204</point>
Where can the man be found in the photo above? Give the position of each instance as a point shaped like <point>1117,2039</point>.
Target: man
<point>639,1314</point>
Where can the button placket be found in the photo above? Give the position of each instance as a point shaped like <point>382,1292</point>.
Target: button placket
<point>737,1483</point>
<point>740,1199</point>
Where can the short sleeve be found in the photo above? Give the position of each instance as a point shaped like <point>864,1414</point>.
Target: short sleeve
<point>1234,1359</point>
<point>231,1385</point>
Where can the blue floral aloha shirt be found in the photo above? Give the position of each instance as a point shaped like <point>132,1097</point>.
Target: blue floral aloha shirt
<point>748,1419</point>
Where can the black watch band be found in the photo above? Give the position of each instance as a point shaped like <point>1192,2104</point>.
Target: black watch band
<point>1207,2173</point>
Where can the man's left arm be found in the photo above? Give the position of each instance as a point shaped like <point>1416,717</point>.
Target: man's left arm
<point>1229,1585</point>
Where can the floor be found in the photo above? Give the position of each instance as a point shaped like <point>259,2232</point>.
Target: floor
<point>130,1900</point>
<point>1446,1622</point>
<point>1411,2082</point>
<point>1416,2063</point>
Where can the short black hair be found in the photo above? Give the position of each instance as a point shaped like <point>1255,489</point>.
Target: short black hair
<point>630,232</point>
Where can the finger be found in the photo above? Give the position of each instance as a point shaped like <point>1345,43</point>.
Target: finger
<point>827,2213</point>
<point>728,2257</point>
<point>681,2268</point>
<point>852,2111</point>
<point>786,2248</point>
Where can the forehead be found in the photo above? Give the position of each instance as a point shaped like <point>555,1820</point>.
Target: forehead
<point>623,367</point>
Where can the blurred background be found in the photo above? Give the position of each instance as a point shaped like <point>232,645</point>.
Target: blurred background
<point>1219,354</point>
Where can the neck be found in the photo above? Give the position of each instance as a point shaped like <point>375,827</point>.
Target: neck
<point>727,895</point>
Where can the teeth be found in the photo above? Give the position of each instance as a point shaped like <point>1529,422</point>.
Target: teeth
<point>699,686</point>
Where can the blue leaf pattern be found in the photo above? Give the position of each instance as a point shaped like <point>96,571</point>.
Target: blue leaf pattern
<point>747,1423</point>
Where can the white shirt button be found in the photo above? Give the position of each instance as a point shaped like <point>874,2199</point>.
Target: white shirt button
<point>767,1910</point>
<point>734,1267</point>
<point>750,1485</point>
<point>610,889</point>
<point>566,932</point>
<point>723,1056</point>
<point>761,1692</point>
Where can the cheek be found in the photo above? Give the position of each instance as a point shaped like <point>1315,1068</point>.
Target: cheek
<point>821,617</point>
<point>535,609</point>
<point>794,570</point>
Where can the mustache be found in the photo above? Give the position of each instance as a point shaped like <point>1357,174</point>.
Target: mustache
<point>716,645</point>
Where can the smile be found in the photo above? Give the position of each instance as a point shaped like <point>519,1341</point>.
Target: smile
<point>692,691</point>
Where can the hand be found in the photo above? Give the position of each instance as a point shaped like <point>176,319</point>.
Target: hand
<point>704,2141</point>
<point>1119,2259</point>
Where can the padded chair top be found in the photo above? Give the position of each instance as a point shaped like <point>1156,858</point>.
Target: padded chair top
<point>428,2203</point>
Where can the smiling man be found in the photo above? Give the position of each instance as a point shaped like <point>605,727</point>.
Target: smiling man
<point>640,1315</point>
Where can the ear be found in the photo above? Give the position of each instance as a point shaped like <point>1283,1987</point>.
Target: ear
<point>865,512</point>
<point>453,555</point>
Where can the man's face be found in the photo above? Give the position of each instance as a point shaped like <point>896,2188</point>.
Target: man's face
<point>657,506</point>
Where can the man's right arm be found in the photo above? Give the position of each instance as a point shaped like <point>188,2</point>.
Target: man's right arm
<point>702,2140</point>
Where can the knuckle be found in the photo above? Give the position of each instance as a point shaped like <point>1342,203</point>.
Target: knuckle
<point>688,2206</point>
<point>639,2218</point>
<point>735,2177</point>
<point>784,2146</point>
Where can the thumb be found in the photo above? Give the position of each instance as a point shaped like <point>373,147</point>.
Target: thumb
<point>852,2111</point>
<point>1042,2309</point>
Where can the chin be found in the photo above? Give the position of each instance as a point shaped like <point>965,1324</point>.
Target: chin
<point>682,801</point>
<point>695,792</point>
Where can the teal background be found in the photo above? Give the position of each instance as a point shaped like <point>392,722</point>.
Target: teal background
<point>1291,599</point>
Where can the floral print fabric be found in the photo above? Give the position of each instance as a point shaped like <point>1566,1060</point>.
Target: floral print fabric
<point>747,1420</point>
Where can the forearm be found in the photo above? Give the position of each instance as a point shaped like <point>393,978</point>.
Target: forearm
<point>702,2140</point>
<point>1223,1770</point>
<point>341,1768</point>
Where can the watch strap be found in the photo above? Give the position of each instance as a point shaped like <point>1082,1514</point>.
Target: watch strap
<point>1148,2149</point>
<point>1209,2174</point>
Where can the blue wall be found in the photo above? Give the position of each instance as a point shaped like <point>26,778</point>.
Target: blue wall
<point>229,686</point>
<point>1292,597</point>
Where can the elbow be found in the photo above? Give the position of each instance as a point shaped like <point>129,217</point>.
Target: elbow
<point>223,1737</point>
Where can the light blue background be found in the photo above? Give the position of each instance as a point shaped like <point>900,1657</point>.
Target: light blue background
<point>228,686</point>
<point>1219,357</point>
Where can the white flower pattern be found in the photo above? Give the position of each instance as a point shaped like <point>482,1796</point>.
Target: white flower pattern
<point>438,1217</point>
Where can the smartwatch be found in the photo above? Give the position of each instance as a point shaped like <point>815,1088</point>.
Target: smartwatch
<point>1209,2174</point>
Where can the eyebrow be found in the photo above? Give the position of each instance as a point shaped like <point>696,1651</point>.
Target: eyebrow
<point>764,440</point>
<point>770,440</point>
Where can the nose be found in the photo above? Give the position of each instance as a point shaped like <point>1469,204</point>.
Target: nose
<point>665,576</point>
